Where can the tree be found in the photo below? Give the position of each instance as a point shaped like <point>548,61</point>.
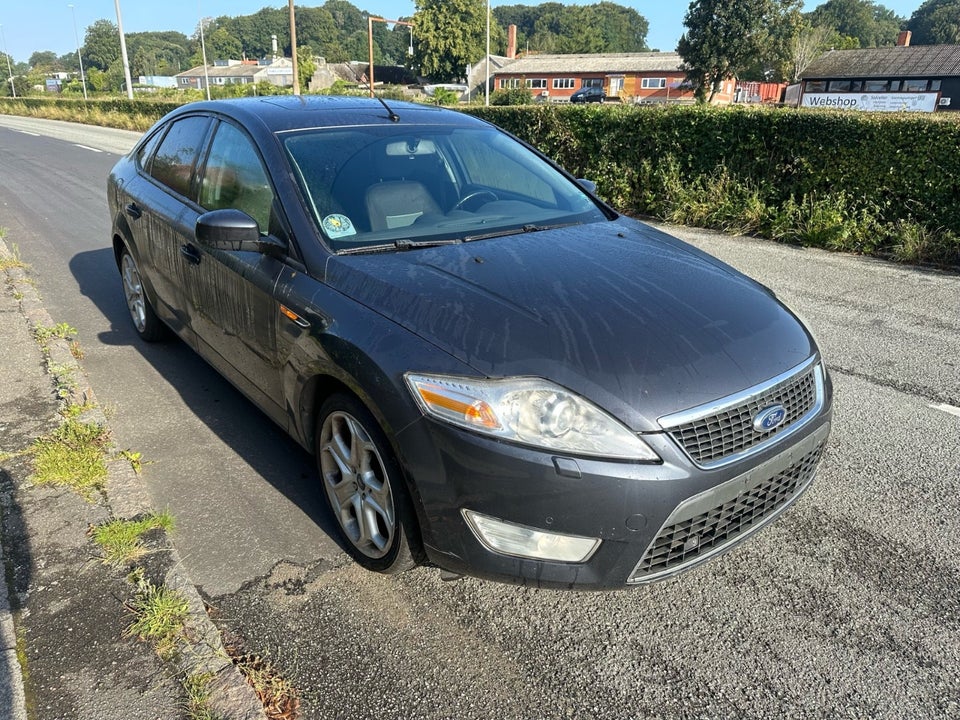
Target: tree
<point>306,67</point>
<point>871,23</point>
<point>451,36</point>
<point>553,27</point>
<point>724,37</point>
<point>101,45</point>
<point>44,61</point>
<point>936,22</point>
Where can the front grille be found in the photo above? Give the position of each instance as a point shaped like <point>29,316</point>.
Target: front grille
<point>721,434</point>
<point>683,542</point>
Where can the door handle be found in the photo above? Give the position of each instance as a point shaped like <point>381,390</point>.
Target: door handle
<point>190,253</point>
<point>134,211</point>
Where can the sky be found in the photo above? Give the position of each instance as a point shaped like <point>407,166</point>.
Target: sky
<point>28,26</point>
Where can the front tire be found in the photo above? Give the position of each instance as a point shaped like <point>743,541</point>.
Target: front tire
<point>364,487</point>
<point>148,326</point>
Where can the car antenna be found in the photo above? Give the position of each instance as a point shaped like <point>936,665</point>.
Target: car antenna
<point>390,113</point>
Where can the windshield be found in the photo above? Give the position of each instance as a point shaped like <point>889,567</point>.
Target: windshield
<point>375,188</point>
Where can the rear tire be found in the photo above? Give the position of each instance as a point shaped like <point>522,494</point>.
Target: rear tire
<point>364,487</point>
<point>148,326</point>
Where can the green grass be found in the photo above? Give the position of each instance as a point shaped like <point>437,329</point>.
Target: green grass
<point>60,330</point>
<point>159,616</point>
<point>122,540</point>
<point>73,455</point>
<point>10,259</point>
<point>198,696</point>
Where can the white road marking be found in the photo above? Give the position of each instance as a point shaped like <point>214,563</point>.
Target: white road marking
<point>949,409</point>
<point>27,132</point>
<point>87,147</point>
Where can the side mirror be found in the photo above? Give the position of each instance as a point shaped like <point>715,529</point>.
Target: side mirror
<point>232,229</point>
<point>589,185</point>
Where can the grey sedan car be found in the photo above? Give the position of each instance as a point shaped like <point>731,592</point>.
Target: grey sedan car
<point>497,373</point>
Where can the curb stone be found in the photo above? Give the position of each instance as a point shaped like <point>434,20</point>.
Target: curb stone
<point>230,696</point>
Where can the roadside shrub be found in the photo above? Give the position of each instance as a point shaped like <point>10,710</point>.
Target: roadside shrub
<point>884,184</point>
<point>511,96</point>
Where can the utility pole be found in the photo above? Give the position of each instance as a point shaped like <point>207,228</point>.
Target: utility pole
<point>13,87</point>
<point>76,34</point>
<point>293,51</point>
<point>123,52</point>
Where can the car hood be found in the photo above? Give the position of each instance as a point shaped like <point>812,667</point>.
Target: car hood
<point>627,316</point>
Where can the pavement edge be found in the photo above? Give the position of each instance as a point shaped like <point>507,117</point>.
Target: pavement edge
<point>229,694</point>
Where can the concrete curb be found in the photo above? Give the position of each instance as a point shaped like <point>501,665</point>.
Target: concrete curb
<point>202,651</point>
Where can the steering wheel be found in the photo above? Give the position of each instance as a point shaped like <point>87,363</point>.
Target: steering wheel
<point>490,197</point>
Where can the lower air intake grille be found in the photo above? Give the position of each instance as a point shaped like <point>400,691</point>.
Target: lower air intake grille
<point>685,541</point>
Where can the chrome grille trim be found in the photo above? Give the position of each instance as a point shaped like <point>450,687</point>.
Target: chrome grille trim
<point>720,518</point>
<point>720,433</point>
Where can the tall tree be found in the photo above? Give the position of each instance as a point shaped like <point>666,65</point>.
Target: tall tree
<point>724,38</point>
<point>871,23</point>
<point>936,22</point>
<point>450,36</point>
<point>101,45</point>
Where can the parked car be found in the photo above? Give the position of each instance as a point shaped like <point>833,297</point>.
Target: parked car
<point>497,373</point>
<point>588,95</point>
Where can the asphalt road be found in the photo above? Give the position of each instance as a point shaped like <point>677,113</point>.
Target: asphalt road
<point>849,606</point>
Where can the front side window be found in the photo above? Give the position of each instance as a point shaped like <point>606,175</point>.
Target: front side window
<point>176,159</point>
<point>235,178</point>
<point>376,187</point>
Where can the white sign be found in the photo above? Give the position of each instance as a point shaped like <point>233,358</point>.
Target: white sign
<point>872,102</point>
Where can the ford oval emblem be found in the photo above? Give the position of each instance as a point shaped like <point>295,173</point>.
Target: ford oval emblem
<point>770,418</point>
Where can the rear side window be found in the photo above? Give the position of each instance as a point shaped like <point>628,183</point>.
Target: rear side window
<point>176,159</point>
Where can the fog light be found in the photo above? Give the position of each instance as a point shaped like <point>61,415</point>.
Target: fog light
<point>522,541</point>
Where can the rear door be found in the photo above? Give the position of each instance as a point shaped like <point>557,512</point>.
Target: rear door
<point>159,208</point>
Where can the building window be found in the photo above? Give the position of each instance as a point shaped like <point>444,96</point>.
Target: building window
<point>914,85</point>
<point>815,86</point>
<point>934,86</point>
<point>839,86</point>
<point>563,83</point>
<point>856,86</point>
<point>537,83</point>
<point>876,86</point>
<point>509,82</point>
<point>593,82</point>
<point>653,83</point>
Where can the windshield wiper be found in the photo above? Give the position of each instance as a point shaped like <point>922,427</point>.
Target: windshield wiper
<point>517,231</point>
<point>400,245</point>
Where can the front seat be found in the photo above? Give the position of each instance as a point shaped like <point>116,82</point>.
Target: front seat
<point>398,203</point>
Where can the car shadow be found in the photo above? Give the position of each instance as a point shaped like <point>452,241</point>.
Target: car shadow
<point>236,421</point>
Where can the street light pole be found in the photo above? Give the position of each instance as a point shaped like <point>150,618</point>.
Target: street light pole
<point>76,34</point>
<point>486,84</point>
<point>13,87</point>
<point>293,51</point>
<point>123,52</point>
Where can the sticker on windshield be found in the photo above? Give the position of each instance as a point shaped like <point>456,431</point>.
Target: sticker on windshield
<point>338,226</point>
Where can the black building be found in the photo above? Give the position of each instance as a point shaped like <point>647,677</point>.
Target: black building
<point>924,78</point>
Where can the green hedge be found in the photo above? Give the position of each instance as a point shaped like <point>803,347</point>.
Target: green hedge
<point>876,183</point>
<point>881,184</point>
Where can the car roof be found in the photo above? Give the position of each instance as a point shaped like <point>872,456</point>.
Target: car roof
<point>279,113</point>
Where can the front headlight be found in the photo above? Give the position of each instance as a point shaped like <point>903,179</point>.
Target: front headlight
<point>529,411</point>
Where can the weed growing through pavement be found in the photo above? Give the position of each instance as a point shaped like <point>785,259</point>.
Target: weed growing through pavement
<point>10,259</point>
<point>122,540</point>
<point>134,458</point>
<point>159,615</point>
<point>76,350</point>
<point>198,696</point>
<point>72,455</point>
<point>63,379</point>
<point>276,693</point>
<point>60,330</point>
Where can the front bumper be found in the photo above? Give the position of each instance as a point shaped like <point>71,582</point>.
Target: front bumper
<point>653,520</point>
